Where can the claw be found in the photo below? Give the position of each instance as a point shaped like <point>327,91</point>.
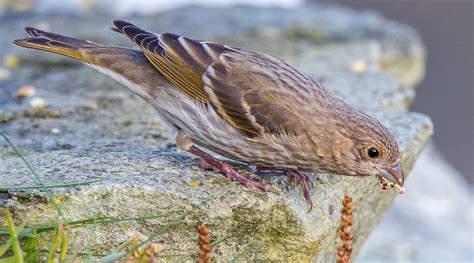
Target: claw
<point>299,177</point>
<point>207,166</point>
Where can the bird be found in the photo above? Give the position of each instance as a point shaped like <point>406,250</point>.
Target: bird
<point>242,105</point>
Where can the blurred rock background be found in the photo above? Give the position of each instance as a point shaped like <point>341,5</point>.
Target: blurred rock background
<point>433,223</point>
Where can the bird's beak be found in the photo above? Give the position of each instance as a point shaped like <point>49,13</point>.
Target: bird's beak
<point>394,176</point>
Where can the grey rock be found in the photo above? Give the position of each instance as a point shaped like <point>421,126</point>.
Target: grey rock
<point>107,133</point>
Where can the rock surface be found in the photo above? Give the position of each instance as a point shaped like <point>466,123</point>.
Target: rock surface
<point>95,129</point>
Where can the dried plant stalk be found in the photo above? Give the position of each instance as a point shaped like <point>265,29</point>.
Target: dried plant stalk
<point>205,248</point>
<point>344,251</point>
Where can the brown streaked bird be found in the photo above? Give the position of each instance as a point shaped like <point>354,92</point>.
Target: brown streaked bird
<point>242,105</point>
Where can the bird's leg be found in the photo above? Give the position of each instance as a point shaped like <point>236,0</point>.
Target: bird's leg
<point>207,166</point>
<point>299,177</point>
<point>186,144</point>
<point>228,171</point>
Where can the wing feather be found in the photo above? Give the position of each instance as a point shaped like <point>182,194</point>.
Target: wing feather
<point>250,91</point>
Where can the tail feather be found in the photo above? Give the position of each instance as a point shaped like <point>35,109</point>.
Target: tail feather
<point>115,30</point>
<point>54,43</point>
<point>34,32</point>
<point>128,66</point>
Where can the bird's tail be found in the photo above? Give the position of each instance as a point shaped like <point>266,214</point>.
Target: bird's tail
<point>128,66</point>
<point>59,44</point>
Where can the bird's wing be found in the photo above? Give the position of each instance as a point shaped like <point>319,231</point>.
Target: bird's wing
<point>180,60</point>
<point>253,92</point>
<point>269,94</point>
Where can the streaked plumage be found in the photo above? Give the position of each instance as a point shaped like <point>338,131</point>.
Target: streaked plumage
<point>246,106</point>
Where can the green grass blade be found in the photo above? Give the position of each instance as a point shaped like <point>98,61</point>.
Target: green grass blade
<point>64,246</point>
<point>124,246</point>
<point>17,253</point>
<point>55,243</point>
<point>27,232</point>
<point>71,184</point>
<point>35,174</point>
<point>4,248</point>
<point>21,234</point>
<point>11,259</point>
<point>31,248</point>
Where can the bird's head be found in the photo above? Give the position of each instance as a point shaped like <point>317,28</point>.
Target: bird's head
<point>365,147</point>
<point>379,156</point>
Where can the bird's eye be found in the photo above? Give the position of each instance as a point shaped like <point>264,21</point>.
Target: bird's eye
<point>373,153</point>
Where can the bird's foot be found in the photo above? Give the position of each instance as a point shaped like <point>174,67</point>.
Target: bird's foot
<point>208,162</point>
<point>300,178</point>
<point>204,165</point>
